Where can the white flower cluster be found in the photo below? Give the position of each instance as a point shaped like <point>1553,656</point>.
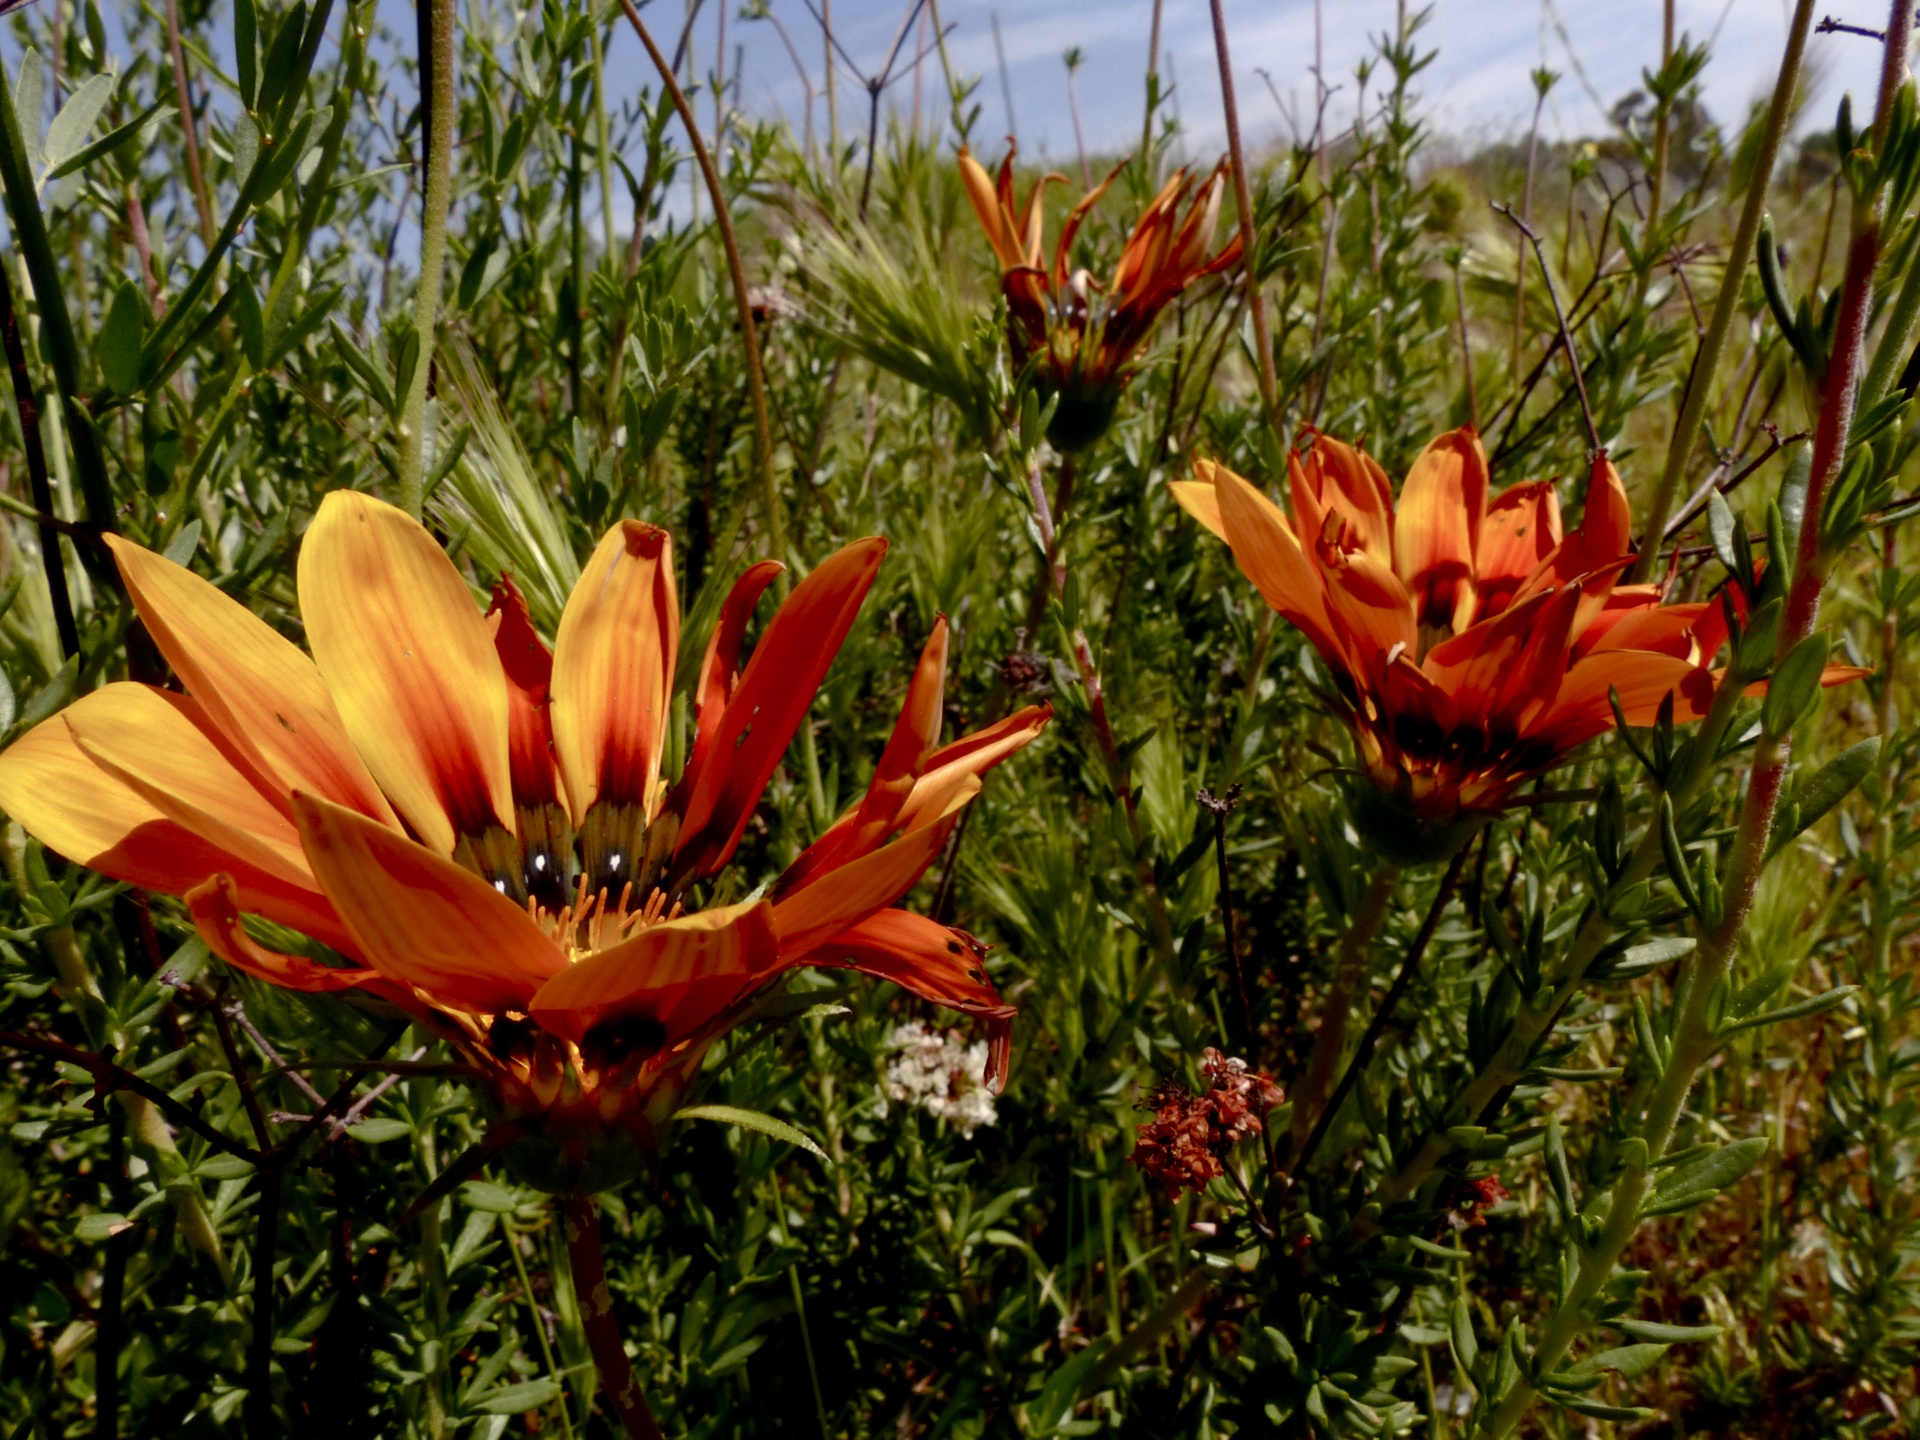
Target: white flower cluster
<point>940,1073</point>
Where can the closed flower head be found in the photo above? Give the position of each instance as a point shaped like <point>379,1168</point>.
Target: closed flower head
<point>1080,337</point>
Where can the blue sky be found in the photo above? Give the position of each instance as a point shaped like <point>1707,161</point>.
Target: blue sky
<point>1478,88</point>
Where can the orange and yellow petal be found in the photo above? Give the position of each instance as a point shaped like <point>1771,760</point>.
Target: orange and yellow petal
<point>216,907</point>
<point>76,809</point>
<point>424,921</point>
<point>411,664</point>
<point>930,959</point>
<point>914,735</point>
<point>1604,535</point>
<point>1643,681</point>
<point>773,697</point>
<point>1521,528</point>
<point>156,744</point>
<point>1437,529</point>
<point>613,669</point>
<point>1336,478</point>
<point>1270,555</point>
<point>674,973</point>
<point>842,897</point>
<point>720,669</point>
<point>529,670</point>
<point>258,690</point>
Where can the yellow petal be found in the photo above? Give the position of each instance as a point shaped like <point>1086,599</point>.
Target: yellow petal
<point>76,809</point>
<point>263,696</point>
<point>411,664</point>
<point>676,973</point>
<point>1198,499</point>
<point>613,669</point>
<point>422,920</point>
<point>149,740</point>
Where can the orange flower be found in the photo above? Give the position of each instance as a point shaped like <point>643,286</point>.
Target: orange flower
<point>1472,642</point>
<point>1080,343</point>
<point>480,826</point>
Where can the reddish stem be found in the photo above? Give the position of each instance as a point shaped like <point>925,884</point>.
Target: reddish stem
<point>581,1219</point>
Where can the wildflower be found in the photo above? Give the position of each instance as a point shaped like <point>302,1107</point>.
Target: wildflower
<point>938,1072</point>
<point>1473,643</point>
<point>1186,1143</point>
<point>1481,1196</point>
<point>1079,340</point>
<point>480,828</point>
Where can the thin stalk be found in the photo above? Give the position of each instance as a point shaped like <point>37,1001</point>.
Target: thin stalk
<point>112,1334</point>
<point>736,268</point>
<point>1466,351</point>
<point>1249,234</point>
<point>56,325</point>
<point>1526,214</point>
<point>1349,974</point>
<point>580,1219</point>
<point>833,107</point>
<point>1383,1013</point>
<point>1537,1015</point>
<point>437,69</point>
<point>1153,98</point>
<point>1560,319</point>
<point>539,1331</point>
<point>1693,408</point>
<point>52,562</point>
<point>260,1422</point>
<point>603,146</point>
<point>189,127</point>
<point>1220,808</point>
<point>1694,1040</point>
<point>1662,128</point>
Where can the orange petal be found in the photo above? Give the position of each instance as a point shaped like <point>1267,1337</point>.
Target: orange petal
<point>1644,680</point>
<point>720,670</point>
<point>1683,631</point>
<point>1270,555</point>
<point>973,754</point>
<point>156,744</point>
<point>262,695</point>
<point>676,973</point>
<point>1521,529</point>
<point>529,669</point>
<point>1200,500</point>
<point>1366,599</point>
<point>613,669</point>
<point>900,765</point>
<point>216,906</point>
<point>1605,533</point>
<point>773,697</point>
<point>1336,478</point>
<point>1437,528</point>
<point>845,896</point>
<point>934,962</point>
<point>422,920</point>
<point>986,205</point>
<point>76,809</point>
<point>411,665</point>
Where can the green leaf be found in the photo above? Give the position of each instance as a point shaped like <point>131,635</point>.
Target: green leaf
<point>253,330</point>
<point>378,1132</point>
<point>105,145</point>
<point>180,550</point>
<point>1814,796</point>
<point>1795,685</point>
<point>70,128</point>
<point>246,150</point>
<point>753,1120</point>
<point>28,94</point>
<point>1628,1361</point>
<point>1815,1006</point>
<point>1466,1350</point>
<point>1667,1334</point>
<point>517,1399</point>
<point>246,49</point>
<point>122,336</point>
<point>496,1199</point>
<point>1651,956</point>
<point>1720,527</point>
<point>53,696</point>
<point>102,1225</point>
<point>1712,1172</point>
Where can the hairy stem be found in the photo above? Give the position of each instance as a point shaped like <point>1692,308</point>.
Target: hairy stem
<point>437,70</point>
<point>1693,409</point>
<point>581,1219</point>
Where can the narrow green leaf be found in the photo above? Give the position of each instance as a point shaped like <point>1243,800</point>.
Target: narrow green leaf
<point>753,1120</point>
<point>70,128</point>
<point>1667,1334</point>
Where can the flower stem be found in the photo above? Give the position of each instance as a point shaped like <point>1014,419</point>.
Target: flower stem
<point>437,74</point>
<point>736,268</point>
<point>1349,974</point>
<point>1693,409</point>
<point>51,559</point>
<point>580,1219</point>
<point>1249,233</point>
